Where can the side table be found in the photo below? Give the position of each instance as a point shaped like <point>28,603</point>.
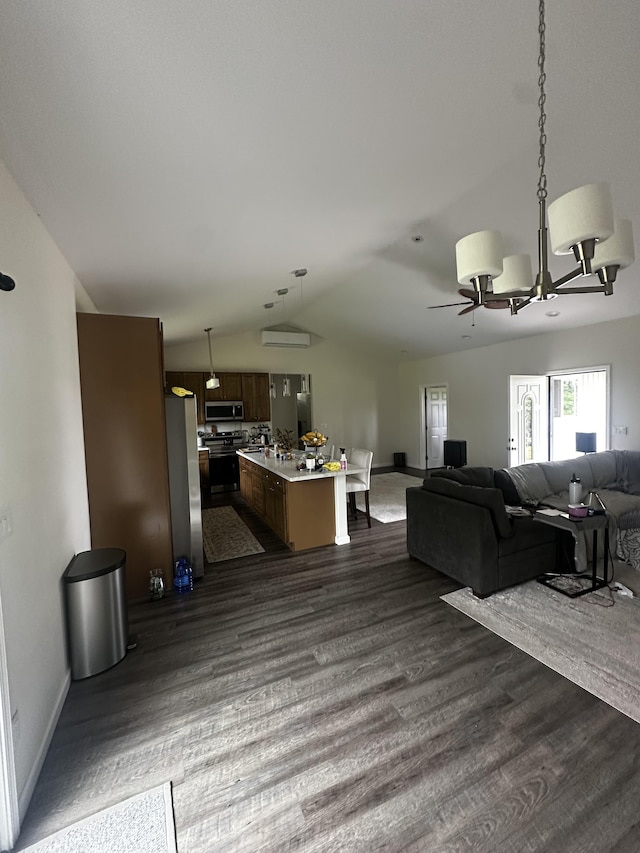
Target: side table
<point>564,521</point>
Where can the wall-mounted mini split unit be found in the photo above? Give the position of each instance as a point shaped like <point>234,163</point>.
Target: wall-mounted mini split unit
<point>285,339</point>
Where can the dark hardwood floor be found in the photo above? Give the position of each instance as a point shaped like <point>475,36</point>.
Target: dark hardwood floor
<point>329,701</point>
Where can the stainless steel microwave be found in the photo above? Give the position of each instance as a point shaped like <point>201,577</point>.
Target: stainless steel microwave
<point>223,410</point>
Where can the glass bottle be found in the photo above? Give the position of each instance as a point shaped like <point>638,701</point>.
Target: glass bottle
<point>156,584</point>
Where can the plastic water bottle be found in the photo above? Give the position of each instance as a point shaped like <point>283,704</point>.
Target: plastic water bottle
<point>181,579</point>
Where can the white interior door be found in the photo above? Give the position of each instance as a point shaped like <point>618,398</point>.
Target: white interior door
<point>529,419</point>
<point>436,424</point>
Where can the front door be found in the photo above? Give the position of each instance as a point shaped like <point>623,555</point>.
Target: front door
<point>529,420</point>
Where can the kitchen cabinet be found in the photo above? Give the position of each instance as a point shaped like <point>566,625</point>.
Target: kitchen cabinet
<point>302,514</point>
<point>251,388</point>
<point>191,380</point>
<point>246,483</point>
<point>255,396</point>
<point>203,465</point>
<point>275,503</point>
<point>230,387</point>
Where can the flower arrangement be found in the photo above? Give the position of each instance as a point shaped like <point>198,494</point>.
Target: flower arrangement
<point>314,438</point>
<point>284,439</point>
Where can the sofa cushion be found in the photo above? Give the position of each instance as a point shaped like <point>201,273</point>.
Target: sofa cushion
<point>502,481</point>
<point>559,474</point>
<point>622,508</point>
<point>604,467</point>
<point>628,471</point>
<point>471,476</point>
<point>530,482</point>
<point>489,498</point>
<point>527,534</point>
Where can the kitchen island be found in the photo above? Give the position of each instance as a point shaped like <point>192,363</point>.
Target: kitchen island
<point>306,509</point>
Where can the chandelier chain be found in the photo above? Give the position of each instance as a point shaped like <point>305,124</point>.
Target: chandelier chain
<point>542,97</point>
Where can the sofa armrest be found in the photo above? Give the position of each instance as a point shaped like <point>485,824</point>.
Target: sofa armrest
<point>454,537</point>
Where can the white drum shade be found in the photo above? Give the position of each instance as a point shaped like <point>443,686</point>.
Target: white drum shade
<point>618,250</point>
<point>582,214</point>
<point>479,254</point>
<point>516,275</point>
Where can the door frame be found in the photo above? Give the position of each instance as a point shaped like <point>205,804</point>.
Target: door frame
<point>540,418</point>
<point>9,807</point>
<point>548,376</point>
<point>577,371</point>
<point>423,389</point>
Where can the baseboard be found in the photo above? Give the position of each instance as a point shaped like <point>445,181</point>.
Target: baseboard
<point>24,797</point>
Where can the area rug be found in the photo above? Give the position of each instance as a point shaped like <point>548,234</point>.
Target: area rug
<point>141,824</point>
<point>387,499</point>
<point>588,640</point>
<point>226,536</point>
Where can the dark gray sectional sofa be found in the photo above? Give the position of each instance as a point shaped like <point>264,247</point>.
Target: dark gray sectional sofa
<point>458,523</point>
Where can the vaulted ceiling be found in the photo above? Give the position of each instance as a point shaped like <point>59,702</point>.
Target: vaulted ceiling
<point>186,157</point>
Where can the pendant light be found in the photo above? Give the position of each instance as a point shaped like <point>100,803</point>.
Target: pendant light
<point>213,381</point>
<point>286,386</point>
<point>580,222</point>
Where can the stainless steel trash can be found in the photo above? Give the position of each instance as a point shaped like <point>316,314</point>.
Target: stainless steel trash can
<point>95,585</point>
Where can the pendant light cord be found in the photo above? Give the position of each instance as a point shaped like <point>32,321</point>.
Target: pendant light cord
<point>542,98</point>
<point>208,331</point>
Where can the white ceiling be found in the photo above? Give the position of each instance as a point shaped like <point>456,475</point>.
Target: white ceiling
<point>187,156</point>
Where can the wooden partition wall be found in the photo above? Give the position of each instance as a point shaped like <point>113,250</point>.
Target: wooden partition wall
<point>121,376</point>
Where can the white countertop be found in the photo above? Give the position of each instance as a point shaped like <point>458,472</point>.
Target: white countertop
<point>288,470</point>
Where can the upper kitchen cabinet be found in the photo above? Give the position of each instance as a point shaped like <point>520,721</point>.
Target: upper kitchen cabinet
<point>191,381</point>
<point>230,387</point>
<point>255,396</point>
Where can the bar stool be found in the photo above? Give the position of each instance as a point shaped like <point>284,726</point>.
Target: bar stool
<point>359,482</point>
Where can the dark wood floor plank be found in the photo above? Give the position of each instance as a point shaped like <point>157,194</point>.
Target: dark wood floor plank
<point>329,701</point>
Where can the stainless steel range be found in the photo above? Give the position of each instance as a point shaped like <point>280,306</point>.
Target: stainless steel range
<point>224,472</point>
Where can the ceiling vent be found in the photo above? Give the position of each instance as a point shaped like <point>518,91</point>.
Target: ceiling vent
<point>285,339</point>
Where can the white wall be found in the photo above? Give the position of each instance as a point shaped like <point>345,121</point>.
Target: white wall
<point>478,383</point>
<point>354,395</point>
<point>42,474</point>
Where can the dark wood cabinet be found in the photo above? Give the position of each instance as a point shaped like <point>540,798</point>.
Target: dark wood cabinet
<point>230,387</point>
<point>191,380</point>
<point>301,513</point>
<point>203,465</point>
<point>275,508</point>
<point>251,388</point>
<point>255,395</point>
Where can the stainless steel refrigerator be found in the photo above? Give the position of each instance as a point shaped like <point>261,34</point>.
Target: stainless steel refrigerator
<point>184,481</point>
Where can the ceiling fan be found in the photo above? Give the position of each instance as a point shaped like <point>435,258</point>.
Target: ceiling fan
<point>472,302</point>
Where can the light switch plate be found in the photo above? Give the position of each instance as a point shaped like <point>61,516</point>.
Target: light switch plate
<point>6,522</point>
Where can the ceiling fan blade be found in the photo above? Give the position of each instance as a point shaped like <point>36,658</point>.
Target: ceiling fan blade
<point>468,309</point>
<point>499,303</point>
<point>448,305</point>
<point>468,293</point>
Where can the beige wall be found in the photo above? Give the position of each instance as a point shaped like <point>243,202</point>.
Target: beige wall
<point>478,382</point>
<point>42,475</point>
<point>354,396</point>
